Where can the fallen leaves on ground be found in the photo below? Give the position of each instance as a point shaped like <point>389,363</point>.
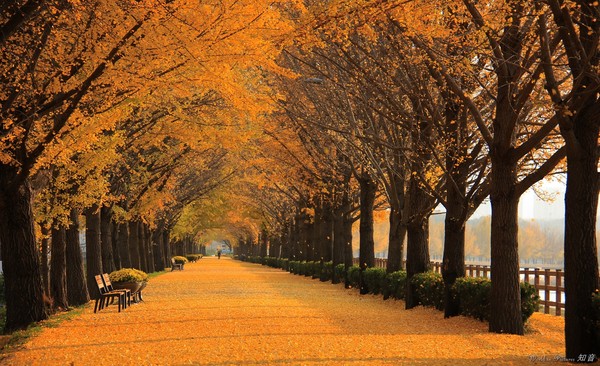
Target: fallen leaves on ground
<point>225,312</point>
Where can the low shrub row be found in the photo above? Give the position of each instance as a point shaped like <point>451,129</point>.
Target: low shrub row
<point>473,293</point>
<point>193,257</point>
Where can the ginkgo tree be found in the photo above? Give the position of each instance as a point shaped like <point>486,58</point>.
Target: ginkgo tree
<point>60,59</point>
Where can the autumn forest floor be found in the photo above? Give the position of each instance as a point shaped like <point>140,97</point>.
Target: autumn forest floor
<point>225,312</point>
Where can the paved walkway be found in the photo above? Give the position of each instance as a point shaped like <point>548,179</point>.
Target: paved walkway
<point>225,312</point>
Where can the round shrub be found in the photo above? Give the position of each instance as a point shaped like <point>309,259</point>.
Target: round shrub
<point>530,300</point>
<point>395,285</point>
<point>429,288</point>
<point>180,260</point>
<point>326,271</point>
<point>374,279</point>
<point>340,271</point>
<point>193,257</point>
<point>128,275</point>
<point>473,294</point>
<point>354,276</point>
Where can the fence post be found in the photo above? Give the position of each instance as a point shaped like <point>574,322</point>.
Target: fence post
<point>559,275</point>
<point>547,290</point>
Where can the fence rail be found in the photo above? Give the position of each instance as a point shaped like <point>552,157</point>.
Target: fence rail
<point>549,283</point>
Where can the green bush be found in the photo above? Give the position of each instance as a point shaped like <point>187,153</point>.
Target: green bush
<point>294,267</point>
<point>128,275</point>
<point>473,295</point>
<point>302,268</point>
<point>354,276</point>
<point>284,263</point>
<point>374,279</point>
<point>340,272</point>
<point>312,269</point>
<point>193,257</point>
<point>395,285</point>
<point>429,289</point>
<point>180,260</point>
<point>530,300</point>
<point>326,271</point>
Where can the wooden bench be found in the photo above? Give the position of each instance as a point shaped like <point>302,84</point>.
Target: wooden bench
<point>175,266</point>
<point>109,287</point>
<point>106,295</point>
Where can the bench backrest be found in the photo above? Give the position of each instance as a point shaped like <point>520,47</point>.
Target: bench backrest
<point>100,284</point>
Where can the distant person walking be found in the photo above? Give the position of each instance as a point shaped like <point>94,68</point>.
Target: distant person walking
<point>219,253</point>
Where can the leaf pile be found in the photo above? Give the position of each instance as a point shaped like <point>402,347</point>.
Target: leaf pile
<point>224,312</point>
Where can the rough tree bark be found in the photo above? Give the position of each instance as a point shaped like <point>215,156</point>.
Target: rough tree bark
<point>134,245</point>
<point>143,250</point>
<point>417,248</point>
<point>20,258</point>
<point>46,231</point>
<point>93,249</point>
<point>77,290</point>
<point>106,227</point>
<point>368,189</point>
<point>58,268</point>
<point>123,245</point>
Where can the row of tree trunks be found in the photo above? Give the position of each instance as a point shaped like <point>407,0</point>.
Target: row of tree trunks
<point>68,284</point>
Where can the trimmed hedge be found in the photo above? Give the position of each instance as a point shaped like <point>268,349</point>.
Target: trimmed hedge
<point>374,279</point>
<point>474,297</point>
<point>354,276</point>
<point>429,288</point>
<point>395,285</point>
<point>473,293</point>
<point>193,257</point>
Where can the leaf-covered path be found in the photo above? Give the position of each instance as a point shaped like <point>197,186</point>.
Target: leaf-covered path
<point>225,312</point>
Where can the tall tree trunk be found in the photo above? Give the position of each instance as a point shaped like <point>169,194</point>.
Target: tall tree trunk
<point>167,248</point>
<point>456,205</point>
<point>58,268</point>
<point>20,258</point>
<point>417,248</point>
<point>108,260</point>
<point>304,237</point>
<point>327,230</point>
<point>505,296</point>
<point>93,249</point>
<point>295,238</point>
<point>149,249</point>
<point>396,240</point>
<point>397,225</point>
<point>115,244</point>
<point>142,246</point>
<point>77,290</point>
<point>157,237</point>
<point>134,245</point>
<point>45,258</point>
<point>454,260</point>
<point>417,256</point>
<point>582,335</point>
<point>368,189</point>
<point>286,240</point>
<point>338,240</point>
<point>264,243</point>
<point>124,245</point>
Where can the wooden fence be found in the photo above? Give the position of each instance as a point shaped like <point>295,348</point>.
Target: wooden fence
<point>549,283</point>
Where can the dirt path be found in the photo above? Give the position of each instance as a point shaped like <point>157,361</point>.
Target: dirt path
<point>225,312</point>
